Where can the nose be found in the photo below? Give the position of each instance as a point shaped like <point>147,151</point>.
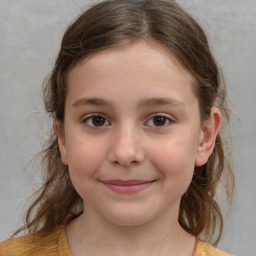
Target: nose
<point>125,147</point>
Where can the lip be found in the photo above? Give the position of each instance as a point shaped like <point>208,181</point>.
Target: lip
<point>128,186</point>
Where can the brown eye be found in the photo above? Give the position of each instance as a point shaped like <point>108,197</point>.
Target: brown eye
<point>159,120</point>
<point>96,121</point>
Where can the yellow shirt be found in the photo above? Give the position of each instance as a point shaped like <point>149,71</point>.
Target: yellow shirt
<point>54,243</point>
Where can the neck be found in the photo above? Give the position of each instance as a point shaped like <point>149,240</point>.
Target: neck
<point>161,236</point>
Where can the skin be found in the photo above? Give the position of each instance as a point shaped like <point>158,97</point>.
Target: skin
<point>155,142</point>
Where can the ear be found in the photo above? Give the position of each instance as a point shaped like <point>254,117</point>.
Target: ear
<point>61,141</point>
<point>207,137</point>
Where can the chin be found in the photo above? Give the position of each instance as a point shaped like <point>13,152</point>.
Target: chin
<point>129,221</point>
<point>129,217</point>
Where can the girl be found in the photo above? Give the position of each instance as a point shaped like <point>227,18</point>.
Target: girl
<point>136,156</point>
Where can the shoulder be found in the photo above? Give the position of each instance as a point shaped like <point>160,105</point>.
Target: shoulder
<point>36,244</point>
<point>205,249</point>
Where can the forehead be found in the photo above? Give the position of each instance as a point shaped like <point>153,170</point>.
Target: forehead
<point>135,54</point>
<point>143,66</point>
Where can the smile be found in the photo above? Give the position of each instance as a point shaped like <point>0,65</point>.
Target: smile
<point>127,187</point>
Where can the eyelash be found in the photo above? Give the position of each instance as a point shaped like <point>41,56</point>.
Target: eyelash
<point>166,117</point>
<point>162,115</point>
<point>90,117</point>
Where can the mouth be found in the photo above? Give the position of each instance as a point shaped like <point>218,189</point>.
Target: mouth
<point>128,186</point>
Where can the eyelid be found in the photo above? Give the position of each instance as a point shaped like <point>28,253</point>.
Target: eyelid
<point>167,116</point>
<point>87,117</point>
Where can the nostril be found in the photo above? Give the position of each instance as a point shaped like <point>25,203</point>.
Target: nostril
<point>125,154</point>
<point>127,163</point>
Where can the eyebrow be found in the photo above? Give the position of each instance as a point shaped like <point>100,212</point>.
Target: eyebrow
<point>160,102</point>
<point>143,102</point>
<point>93,101</point>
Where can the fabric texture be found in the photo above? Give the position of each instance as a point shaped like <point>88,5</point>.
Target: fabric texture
<point>42,243</point>
<point>54,243</point>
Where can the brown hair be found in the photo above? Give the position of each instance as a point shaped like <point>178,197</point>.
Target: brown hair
<point>110,24</point>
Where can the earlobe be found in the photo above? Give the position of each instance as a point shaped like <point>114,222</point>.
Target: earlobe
<point>61,141</point>
<point>208,136</point>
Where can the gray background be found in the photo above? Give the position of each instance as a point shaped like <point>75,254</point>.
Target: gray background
<point>30,33</point>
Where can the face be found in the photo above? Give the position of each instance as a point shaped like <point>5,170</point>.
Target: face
<point>132,133</point>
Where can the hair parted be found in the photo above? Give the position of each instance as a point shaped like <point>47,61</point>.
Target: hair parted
<point>114,23</point>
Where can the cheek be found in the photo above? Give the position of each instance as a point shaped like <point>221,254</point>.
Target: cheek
<point>175,161</point>
<point>84,161</point>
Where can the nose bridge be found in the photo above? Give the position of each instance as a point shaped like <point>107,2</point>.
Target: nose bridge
<point>124,138</point>
<point>125,144</point>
